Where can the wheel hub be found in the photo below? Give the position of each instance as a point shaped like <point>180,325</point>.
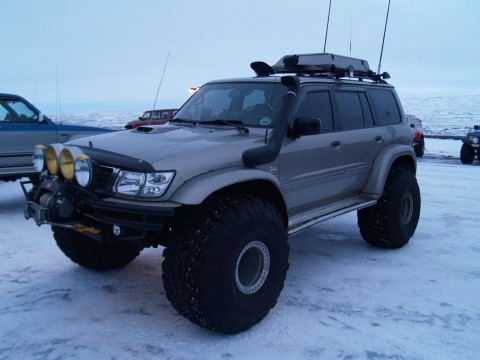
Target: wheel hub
<point>252,267</point>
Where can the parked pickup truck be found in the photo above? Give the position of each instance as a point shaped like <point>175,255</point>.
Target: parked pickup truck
<point>22,126</point>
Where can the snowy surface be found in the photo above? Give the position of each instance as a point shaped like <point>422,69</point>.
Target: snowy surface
<point>342,298</point>
<point>447,115</point>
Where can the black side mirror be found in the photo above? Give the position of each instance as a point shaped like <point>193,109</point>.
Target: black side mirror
<point>475,127</point>
<point>412,126</point>
<point>305,127</point>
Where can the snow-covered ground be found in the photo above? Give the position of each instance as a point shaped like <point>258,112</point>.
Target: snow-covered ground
<point>447,115</point>
<point>342,298</point>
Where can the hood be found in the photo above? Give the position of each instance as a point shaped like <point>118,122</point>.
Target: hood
<point>166,147</point>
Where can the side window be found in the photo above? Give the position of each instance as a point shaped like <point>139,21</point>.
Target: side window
<point>367,111</point>
<point>317,105</point>
<point>350,110</point>
<point>17,111</point>
<point>386,108</point>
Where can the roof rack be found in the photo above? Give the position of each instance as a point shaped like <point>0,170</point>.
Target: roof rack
<point>322,64</point>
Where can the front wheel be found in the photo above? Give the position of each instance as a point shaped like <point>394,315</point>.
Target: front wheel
<point>91,254</point>
<point>392,221</point>
<point>467,153</point>
<point>226,264</point>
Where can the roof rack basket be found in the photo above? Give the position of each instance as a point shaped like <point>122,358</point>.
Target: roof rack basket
<point>322,64</point>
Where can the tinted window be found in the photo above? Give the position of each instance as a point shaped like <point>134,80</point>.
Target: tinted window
<point>385,105</point>
<point>350,110</point>
<point>367,111</point>
<point>317,105</point>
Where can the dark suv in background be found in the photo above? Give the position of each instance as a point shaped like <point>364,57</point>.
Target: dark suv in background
<point>471,146</point>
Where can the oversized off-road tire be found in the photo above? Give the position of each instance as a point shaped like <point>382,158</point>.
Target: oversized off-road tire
<point>91,254</point>
<point>392,221</point>
<point>467,153</point>
<point>420,148</point>
<point>226,264</point>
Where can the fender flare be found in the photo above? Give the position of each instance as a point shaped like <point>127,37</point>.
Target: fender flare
<point>391,154</point>
<point>197,189</point>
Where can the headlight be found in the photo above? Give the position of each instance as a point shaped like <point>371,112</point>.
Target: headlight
<point>475,140</point>
<point>142,185</point>
<point>39,158</point>
<point>52,154</point>
<point>156,184</point>
<point>83,170</point>
<point>67,161</point>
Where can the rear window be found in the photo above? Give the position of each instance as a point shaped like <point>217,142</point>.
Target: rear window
<point>385,107</point>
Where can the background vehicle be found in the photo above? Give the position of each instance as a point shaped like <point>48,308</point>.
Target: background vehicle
<point>417,130</point>
<point>470,146</point>
<point>22,126</point>
<point>242,165</point>
<point>152,117</point>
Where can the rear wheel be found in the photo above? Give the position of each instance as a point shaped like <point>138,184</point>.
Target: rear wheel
<point>91,254</point>
<point>467,154</point>
<point>393,220</point>
<point>420,148</point>
<point>226,265</point>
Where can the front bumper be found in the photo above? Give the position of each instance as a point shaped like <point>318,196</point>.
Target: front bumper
<point>63,204</point>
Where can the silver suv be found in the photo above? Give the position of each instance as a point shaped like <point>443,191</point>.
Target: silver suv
<point>244,164</point>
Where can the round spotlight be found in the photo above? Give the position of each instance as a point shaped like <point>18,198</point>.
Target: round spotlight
<point>83,170</point>
<point>67,161</point>
<point>39,158</point>
<point>52,154</point>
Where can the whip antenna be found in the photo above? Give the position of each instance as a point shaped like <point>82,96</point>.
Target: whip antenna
<point>326,31</point>
<point>383,41</point>
<point>160,85</point>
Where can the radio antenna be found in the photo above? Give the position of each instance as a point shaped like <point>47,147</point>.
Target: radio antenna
<point>350,35</point>
<point>383,41</point>
<point>328,21</point>
<point>160,85</point>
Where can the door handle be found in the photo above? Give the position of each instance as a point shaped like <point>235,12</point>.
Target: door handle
<point>379,138</point>
<point>335,143</point>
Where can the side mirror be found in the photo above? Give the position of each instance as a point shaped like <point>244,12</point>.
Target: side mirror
<point>412,126</point>
<point>304,127</point>
<point>140,118</point>
<point>475,127</point>
<point>42,119</point>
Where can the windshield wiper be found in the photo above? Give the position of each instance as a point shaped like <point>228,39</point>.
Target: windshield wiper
<point>238,124</point>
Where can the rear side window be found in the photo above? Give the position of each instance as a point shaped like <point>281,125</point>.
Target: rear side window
<point>317,105</point>
<point>385,107</point>
<point>350,110</point>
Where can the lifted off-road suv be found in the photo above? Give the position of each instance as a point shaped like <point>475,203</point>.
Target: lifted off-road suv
<point>243,164</point>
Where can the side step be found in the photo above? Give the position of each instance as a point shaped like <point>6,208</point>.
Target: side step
<point>305,219</point>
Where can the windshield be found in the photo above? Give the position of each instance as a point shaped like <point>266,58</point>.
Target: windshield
<point>251,103</point>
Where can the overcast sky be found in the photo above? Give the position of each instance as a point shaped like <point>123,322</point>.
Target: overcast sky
<point>110,55</point>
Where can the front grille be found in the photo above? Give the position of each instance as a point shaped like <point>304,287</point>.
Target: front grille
<point>104,179</point>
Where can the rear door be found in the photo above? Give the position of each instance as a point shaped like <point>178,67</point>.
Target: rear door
<point>361,139</point>
<point>20,131</point>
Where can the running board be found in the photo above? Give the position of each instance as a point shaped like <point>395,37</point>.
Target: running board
<point>303,220</point>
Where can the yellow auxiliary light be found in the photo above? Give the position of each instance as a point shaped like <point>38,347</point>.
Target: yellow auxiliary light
<point>52,154</point>
<point>67,161</point>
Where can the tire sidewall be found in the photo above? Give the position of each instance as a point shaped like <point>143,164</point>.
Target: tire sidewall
<point>222,286</point>
<point>406,229</point>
